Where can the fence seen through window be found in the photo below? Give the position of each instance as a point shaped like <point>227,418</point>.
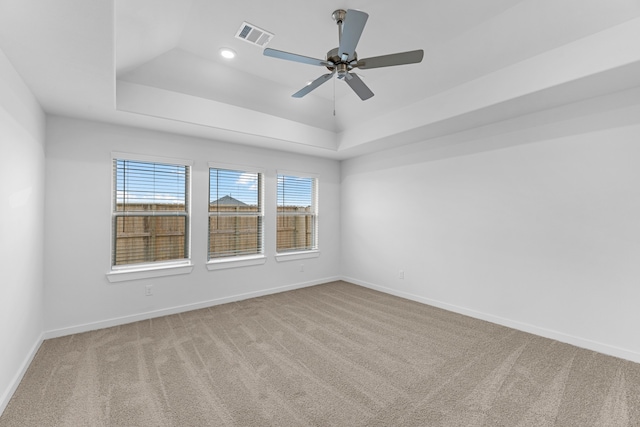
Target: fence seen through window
<point>150,216</point>
<point>235,213</point>
<point>297,213</point>
<point>151,213</point>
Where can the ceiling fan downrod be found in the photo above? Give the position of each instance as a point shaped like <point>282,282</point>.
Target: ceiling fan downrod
<point>340,64</point>
<point>338,16</point>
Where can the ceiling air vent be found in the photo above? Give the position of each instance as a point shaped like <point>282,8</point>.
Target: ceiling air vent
<point>254,35</point>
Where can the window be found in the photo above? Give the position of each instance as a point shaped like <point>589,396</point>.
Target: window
<point>150,212</point>
<point>297,228</point>
<point>235,213</point>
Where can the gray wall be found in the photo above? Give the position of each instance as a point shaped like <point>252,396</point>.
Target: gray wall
<point>532,223</point>
<point>22,168</point>
<point>78,241</point>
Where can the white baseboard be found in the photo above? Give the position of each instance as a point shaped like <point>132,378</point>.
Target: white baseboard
<point>55,333</point>
<point>543,332</point>
<point>8,393</point>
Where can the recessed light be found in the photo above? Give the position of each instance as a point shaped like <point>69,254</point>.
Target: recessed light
<point>227,53</point>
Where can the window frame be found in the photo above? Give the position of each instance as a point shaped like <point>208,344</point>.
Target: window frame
<point>119,273</point>
<point>242,260</point>
<point>297,254</point>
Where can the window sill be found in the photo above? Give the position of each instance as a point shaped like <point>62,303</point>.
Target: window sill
<point>292,256</point>
<point>148,272</point>
<point>235,262</point>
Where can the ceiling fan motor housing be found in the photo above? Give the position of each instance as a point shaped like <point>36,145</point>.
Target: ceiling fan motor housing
<point>339,65</point>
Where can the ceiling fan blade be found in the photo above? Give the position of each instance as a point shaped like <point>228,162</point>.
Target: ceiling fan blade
<point>314,84</point>
<point>403,58</point>
<point>358,86</point>
<point>352,28</point>
<point>295,58</point>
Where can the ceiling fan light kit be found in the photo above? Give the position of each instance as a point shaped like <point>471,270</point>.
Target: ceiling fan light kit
<point>342,60</point>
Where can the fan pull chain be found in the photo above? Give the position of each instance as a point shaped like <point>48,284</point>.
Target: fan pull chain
<point>334,97</point>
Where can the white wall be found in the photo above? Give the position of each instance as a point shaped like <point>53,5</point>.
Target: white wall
<point>22,167</point>
<point>78,227</point>
<point>533,224</point>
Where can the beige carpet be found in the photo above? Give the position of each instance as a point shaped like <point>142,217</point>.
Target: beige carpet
<point>329,355</point>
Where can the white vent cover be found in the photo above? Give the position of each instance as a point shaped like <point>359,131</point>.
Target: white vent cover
<point>254,35</point>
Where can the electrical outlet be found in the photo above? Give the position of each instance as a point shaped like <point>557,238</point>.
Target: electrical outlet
<point>401,274</point>
<point>148,290</point>
<point>301,268</point>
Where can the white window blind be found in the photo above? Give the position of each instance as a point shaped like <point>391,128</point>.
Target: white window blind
<point>235,213</point>
<point>150,212</point>
<point>297,228</point>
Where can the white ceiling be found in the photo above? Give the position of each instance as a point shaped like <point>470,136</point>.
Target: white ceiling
<point>155,64</point>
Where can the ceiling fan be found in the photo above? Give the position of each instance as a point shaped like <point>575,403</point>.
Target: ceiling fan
<point>343,59</point>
